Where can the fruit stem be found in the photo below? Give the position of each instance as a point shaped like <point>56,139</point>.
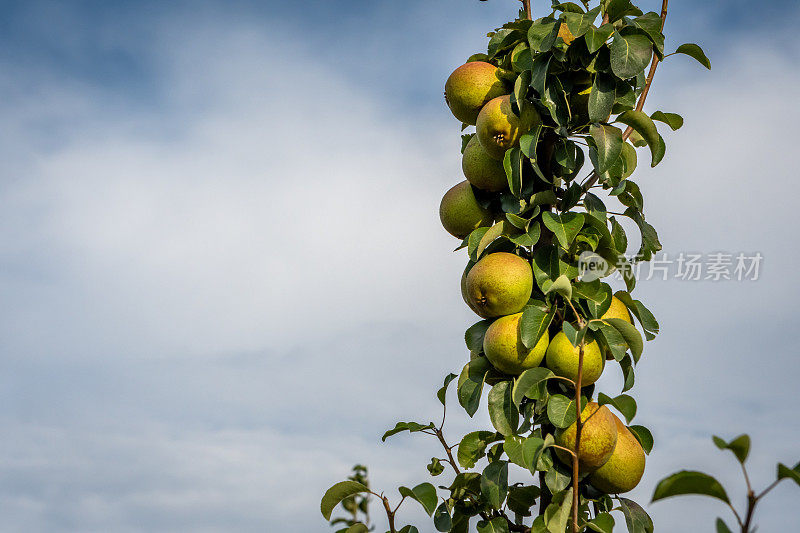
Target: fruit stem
<point>640,104</point>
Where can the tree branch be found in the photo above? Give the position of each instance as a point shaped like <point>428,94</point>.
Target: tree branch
<point>527,5</point>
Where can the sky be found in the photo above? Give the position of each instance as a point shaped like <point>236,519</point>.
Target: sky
<point>224,276</point>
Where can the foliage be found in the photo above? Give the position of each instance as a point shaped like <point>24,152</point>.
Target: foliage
<point>688,482</point>
<point>583,69</point>
<point>354,497</point>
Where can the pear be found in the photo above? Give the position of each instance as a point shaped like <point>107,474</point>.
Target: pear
<point>461,213</point>
<point>562,359</point>
<point>499,284</point>
<point>464,287</point>
<point>481,169</point>
<point>617,309</point>
<point>499,128</point>
<point>504,349</point>
<point>598,438</point>
<point>469,87</point>
<point>625,468</point>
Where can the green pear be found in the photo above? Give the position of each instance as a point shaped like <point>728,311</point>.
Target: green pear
<point>481,169</point>
<point>598,438</point>
<point>461,213</point>
<point>499,284</point>
<point>617,309</point>
<point>499,129</point>
<point>625,468</point>
<point>562,359</point>
<point>504,349</point>
<point>469,87</point>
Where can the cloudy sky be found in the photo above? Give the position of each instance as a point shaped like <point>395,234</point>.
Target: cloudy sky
<point>223,275</point>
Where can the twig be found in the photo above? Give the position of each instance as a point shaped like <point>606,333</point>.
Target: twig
<point>527,5</point>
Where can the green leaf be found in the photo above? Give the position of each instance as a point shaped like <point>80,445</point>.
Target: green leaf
<point>562,286</point>
<point>631,51</point>
<point>689,482</point>
<point>650,23</point>
<point>791,473</point>
<point>425,494</point>
<point>608,140</point>
<point>616,9</point>
<point>601,97</point>
<point>496,525</point>
<point>531,384</point>
<point>673,120</point>
<point>494,483</point>
<point>412,427</point>
<point>644,437</point>
<point>636,518</point>
<point>618,236</point>
<point>561,411</point>
<point>473,447</point>
<point>565,227</point>
<point>543,33</point>
<point>579,23</point>
<point>502,411</point>
<point>528,143</point>
<point>409,529</point>
<point>475,333</point>
<point>470,384</point>
<point>694,51</point>
<point>643,315</point>
<point>631,335</point>
<point>357,528</point>
<point>541,66</point>
<point>337,493</point>
<point>650,242</point>
<point>597,37</point>
<point>603,523</point>
<point>557,513</point>
<point>740,446</point>
<point>558,476</point>
<point>512,163</point>
<point>597,296</point>
<point>644,126</point>
<point>435,467</point>
<point>628,372</point>
<point>529,238</point>
<point>623,403</point>
<point>474,240</point>
<point>534,323</point>
<point>441,518</point>
<point>722,527</point>
<point>441,393</point>
<point>521,58</point>
<point>532,449</point>
<point>521,499</point>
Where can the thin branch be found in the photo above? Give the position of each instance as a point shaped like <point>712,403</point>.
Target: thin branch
<point>766,491</point>
<point>527,5</point>
<point>645,91</point>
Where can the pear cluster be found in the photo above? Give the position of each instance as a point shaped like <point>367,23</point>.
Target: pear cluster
<point>500,284</point>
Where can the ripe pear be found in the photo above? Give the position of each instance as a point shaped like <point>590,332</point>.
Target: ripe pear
<point>469,87</point>
<point>504,349</point>
<point>562,359</point>
<point>482,170</point>
<point>598,438</point>
<point>499,284</point>
<point>499,128</point>
<point>625,468</point>
<point>461,213</point>
<point>617,309</point>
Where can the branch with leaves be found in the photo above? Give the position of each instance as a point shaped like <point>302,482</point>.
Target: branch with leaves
<point>549,98</point>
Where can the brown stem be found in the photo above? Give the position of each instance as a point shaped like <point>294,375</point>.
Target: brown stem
<point>389,514</point>
<point>447,449</point>
<point>527,5</point>
<point>578,428</point>
<point>752,501</point>
<point>642,97</point>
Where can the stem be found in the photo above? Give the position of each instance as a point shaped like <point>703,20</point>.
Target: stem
<point>752,501</point>
<point>578,428</point>
<point>645,91</point>
<point>527,5</point>
<point>389,514</point>
<point>448,449</point>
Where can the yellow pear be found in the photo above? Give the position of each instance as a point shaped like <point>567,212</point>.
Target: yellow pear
<point>504,349</point>
<point>598,438</point>
<point>481,169</point>
<point>617,309</point>
<point>499,129</point>
<point>461,213</point>
<point>625,468</point>
<point>469,87</point>
<point>499,284</point>
<point>562,359</point>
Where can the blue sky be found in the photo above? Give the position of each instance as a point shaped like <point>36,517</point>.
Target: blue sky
<point>223,274</point>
